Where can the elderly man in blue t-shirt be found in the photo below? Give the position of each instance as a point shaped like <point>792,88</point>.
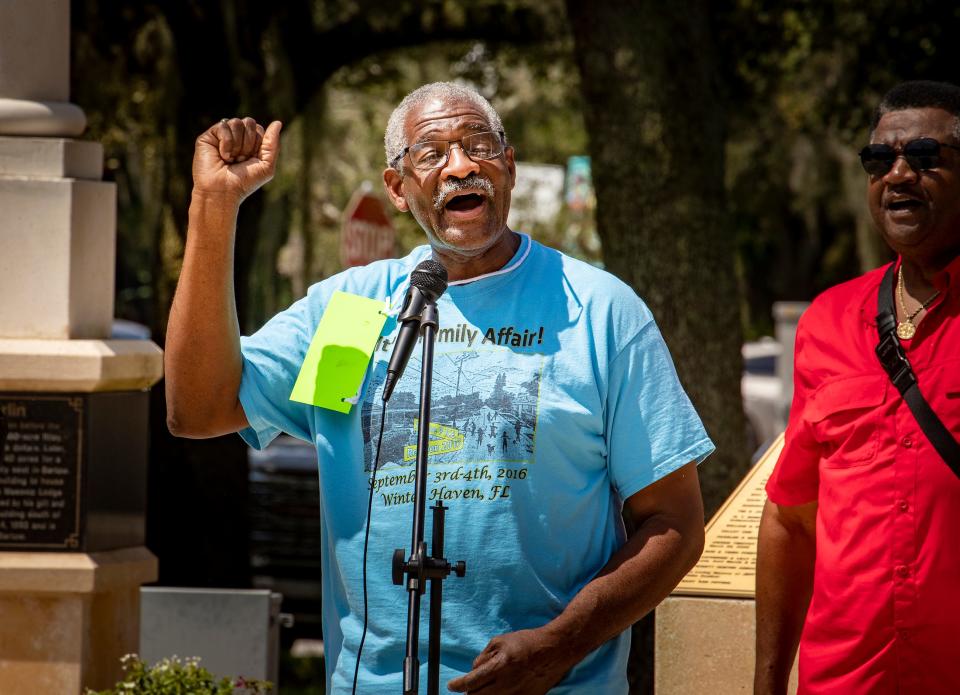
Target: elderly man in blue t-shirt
<point>551,382</point>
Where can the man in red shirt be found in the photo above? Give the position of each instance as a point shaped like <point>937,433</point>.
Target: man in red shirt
<point>858,557</point>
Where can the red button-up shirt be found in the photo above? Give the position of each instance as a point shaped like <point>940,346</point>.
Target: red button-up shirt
<point>885,612</point>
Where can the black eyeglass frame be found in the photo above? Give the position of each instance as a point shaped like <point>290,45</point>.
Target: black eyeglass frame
<point>921,154</point>
<point>501,137</point>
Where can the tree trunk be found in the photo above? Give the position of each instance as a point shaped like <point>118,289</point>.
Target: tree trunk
<point>656,128</point>
<point>652,106</point>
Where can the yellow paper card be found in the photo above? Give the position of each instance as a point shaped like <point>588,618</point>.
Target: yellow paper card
<point>332,372</point>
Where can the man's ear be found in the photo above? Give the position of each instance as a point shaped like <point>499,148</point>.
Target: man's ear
<point>508,154</point>
<point>393,183</point>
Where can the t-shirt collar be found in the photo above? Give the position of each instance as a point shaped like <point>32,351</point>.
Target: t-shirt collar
<point>523,250</point>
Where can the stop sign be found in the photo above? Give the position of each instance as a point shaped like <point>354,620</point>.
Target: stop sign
<point>367,234</point>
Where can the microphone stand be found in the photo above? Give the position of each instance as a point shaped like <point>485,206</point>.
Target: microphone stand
<point>420,566</point>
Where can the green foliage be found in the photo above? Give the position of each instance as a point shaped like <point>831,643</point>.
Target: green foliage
<point>174,676</point>
<point>803,79</point>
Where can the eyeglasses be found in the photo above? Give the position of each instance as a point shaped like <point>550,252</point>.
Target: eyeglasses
<point>921,154</point>
<point>434,154</point>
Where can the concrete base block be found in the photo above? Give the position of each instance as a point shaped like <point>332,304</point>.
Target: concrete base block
<point>56,158</point>
<point>706,645</point>
<point>235,632</point>
<point>81,366</point>
<point>57,268</point>
<point>68,618</point>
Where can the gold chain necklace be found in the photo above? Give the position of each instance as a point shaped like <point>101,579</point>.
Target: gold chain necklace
<point>906,329</point>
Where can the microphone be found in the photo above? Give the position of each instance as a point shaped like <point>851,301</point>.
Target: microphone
<point>427,282</point>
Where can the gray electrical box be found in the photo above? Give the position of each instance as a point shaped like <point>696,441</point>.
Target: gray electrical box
<point>234,632</point>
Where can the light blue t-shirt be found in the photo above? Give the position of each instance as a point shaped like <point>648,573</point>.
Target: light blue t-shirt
<point>554,399</point>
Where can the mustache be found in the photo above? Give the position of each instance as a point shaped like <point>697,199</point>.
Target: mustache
<point>473,183</point>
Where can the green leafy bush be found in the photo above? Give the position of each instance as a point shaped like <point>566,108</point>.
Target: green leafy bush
<point>173,676</point>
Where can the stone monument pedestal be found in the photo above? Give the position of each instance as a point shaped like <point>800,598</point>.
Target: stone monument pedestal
<point>73,402</point>
<point>68,618</point>
<point>706,645</point>
<point>73,436</point>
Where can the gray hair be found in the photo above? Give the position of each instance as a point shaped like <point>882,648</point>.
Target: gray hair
<point>394,139</point>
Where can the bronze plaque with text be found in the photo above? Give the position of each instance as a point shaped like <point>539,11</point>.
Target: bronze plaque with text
<point>728,566</point>
<point>40,474</point>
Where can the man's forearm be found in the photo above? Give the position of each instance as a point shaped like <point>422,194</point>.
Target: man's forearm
<point>202,358</point>
<point>785,560</point>
<point>635,580</point>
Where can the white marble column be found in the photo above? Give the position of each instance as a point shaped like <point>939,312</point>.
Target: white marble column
<point>35,69</point>
<point>80,610</point>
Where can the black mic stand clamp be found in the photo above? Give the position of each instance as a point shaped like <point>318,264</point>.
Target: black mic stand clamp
<point>420,566</point>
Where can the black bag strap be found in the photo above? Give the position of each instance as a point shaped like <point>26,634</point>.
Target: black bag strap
<point>895,364</point>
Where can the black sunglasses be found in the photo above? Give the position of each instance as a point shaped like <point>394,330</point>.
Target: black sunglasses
<point>921,154</point>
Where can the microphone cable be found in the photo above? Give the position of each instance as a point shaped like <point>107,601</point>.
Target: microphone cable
<point>366,540</point>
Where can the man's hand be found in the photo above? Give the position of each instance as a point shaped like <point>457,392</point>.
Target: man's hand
<point>235,157</point>
<point>667,542</point>
<point>526,662</point>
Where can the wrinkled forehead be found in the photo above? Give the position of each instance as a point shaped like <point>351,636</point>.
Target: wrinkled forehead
<point>444,119</point>
<point>899,127</point>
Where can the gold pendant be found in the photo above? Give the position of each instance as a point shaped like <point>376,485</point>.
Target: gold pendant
<point>906,330</point>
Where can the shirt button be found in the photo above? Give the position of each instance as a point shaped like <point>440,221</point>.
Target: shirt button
<point>902,571</point>
<point>903,506</point>
<point>907,442</point>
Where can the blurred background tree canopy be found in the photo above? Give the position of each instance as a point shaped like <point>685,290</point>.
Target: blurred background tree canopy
<point>723,137</point>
